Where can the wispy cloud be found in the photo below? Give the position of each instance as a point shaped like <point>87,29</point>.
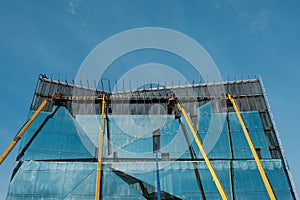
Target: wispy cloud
<point>242,15</point>
<point>72,7</point>
<point>217,5</point>
<point>260,22</point>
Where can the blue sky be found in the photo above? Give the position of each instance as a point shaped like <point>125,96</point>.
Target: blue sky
<point>244,38</point>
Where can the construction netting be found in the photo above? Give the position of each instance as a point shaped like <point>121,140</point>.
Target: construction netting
<point>144,135</point>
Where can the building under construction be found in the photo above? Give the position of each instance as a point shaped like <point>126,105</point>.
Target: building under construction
<point>200,141</point>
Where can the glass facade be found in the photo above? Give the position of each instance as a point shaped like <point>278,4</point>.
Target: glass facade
<point>145,137</point>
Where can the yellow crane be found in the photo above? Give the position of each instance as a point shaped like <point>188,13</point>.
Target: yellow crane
<point>202,150</point>
<point>26,125</point>
<point>252,148</point>
<point>100,150</point>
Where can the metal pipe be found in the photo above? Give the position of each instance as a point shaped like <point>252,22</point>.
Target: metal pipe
<point>23,130</point>
<point>99,169</point>
<point>202,150</point>
<point>254,153</point>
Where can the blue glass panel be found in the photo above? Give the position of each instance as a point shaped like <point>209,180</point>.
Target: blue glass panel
<point>60,138</point>
<point>116,188</point>
<point>50,180</point>
<point>84,190</point>
<point>246,170</point>
<point>169,131</point>
<point>125,129</point>
<point>141,146</point>
<point>278,178</point>
<point>90,124</point>
<point>178,178</point>
<point>214,134</point>
<point>240,145</point>
<point>32,128</point>
<point>254,187</point>
<point>215,141</point>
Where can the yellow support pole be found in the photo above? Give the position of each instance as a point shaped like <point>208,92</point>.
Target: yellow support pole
<point>257,160</point>
<point>202,150</point>
<point>22,131</point>
<point>99,169</point>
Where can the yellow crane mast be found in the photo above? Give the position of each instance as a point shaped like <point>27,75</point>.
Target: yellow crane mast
<point>252,148</point>
<point>202,150</point>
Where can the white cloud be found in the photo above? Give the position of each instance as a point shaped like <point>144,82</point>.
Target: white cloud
<point>72,8</point>
<point>260,22</point>
<point>217,5</point>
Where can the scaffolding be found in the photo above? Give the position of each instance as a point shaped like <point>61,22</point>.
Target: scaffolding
<point>119,162</point>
